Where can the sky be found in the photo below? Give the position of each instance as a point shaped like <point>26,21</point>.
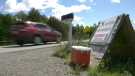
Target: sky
<point>86,12</point>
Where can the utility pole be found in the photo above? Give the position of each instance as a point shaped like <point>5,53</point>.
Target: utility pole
<point>68,18</point>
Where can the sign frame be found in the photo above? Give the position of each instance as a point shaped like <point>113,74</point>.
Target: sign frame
<point>111,32</point>
<point>100,49</point>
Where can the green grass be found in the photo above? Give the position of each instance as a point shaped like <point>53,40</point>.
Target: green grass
<point>105,68</point>
<point>117,63</point>
<point>74,71</point>
<point>93,70</point>
<point>111,65</point>
<point>7,44</point>
<point>61,51</point>
<point>109,74</point>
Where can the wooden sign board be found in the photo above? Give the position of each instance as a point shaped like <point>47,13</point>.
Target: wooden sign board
<point>115,33</point>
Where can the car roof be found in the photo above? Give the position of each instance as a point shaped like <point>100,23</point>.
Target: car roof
<point>29,22</point>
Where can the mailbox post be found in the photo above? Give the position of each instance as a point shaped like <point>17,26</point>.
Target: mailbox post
<point>68,18</point>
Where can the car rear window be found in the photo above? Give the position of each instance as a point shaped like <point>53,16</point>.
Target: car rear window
<point>18,25</point>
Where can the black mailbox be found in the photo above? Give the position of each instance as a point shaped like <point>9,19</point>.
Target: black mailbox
<point>67,16</point>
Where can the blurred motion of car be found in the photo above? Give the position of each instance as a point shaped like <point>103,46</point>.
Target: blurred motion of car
<point>33,32</point>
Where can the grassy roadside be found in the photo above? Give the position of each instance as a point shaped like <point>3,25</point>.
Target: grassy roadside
<point>92,70</point>
<point>8,44</point>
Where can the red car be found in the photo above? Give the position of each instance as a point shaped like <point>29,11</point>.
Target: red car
<point>33,32</point>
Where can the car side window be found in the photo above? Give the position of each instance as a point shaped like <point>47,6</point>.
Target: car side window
<point>43,26</point>
<point>37,26</point>
<point>49,28</point>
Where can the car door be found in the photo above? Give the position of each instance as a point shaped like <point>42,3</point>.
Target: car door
<point>50,32</point>
<point>45,31</point>
<point>40,30</point>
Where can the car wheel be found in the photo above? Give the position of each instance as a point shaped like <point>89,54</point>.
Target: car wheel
<point>37,40</point>
<point>58,40</point>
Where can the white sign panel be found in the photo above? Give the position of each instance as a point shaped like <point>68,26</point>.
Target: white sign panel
<point>104,29</point>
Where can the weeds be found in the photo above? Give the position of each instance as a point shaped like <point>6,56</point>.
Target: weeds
<point>93,69</point>
<point>75,69</point>
<point>107,67</point>
<point>61,51</point>
<point>111,64</point>
<point>126,73</point>
<point>8,44</point>
<point>114,63</point>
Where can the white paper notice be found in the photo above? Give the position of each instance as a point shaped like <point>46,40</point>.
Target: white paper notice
<point>104,29</point>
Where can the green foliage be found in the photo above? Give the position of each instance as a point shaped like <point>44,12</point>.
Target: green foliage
<point>6,20</point>
<point>120,56</point>
<point>59,26</point>
<point>1,19</point>
<point>110,74</point>
<point>21,15</point>
<point>92,29</point>
<point>109,66</point>
<point>75,71</point>
<point>44,19</point>
<point>34,15</point>
<point>92,70</point>
<point>84,35</point>
<point>7,44</point>
<point>61,51</point>
<point>126,73</point>
<point>115,63</point>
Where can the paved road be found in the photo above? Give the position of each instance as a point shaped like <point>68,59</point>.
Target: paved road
<point>14,48</point>
<point>5,49</point>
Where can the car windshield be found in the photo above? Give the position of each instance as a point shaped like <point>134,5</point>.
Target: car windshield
<point>19,25</point>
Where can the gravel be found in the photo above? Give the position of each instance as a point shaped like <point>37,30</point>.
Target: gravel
<point>37,62</point>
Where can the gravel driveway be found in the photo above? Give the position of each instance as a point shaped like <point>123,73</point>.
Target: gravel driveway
<point>37,62</point>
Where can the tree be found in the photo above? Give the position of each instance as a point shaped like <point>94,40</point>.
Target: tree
<point>34,15</point>
<point>73,30</point>
<point>92,29</point>
<point>77,27</point>
<point>1,19</point>
<point>21,15</point>
<point>44,19</point>
<point>59,26</point>
<point>6,20</point>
